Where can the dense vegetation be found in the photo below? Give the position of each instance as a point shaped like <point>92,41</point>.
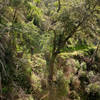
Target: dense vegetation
<point>49,50</point>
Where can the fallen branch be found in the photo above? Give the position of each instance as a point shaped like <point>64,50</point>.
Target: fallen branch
<point>44,96</point>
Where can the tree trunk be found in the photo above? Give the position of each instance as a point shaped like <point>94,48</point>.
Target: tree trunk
<point>51,70</point>
<point>50,78</point>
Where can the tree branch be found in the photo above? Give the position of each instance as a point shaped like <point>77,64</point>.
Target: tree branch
<point>59,6</point>
<point>79,24</point>
<point>54,43</point>
<point>72,32</point>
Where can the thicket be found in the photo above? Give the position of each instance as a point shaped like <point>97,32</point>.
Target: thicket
<point>49,50</point>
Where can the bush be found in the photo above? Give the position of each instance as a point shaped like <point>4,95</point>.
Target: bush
<point>93,91</point>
